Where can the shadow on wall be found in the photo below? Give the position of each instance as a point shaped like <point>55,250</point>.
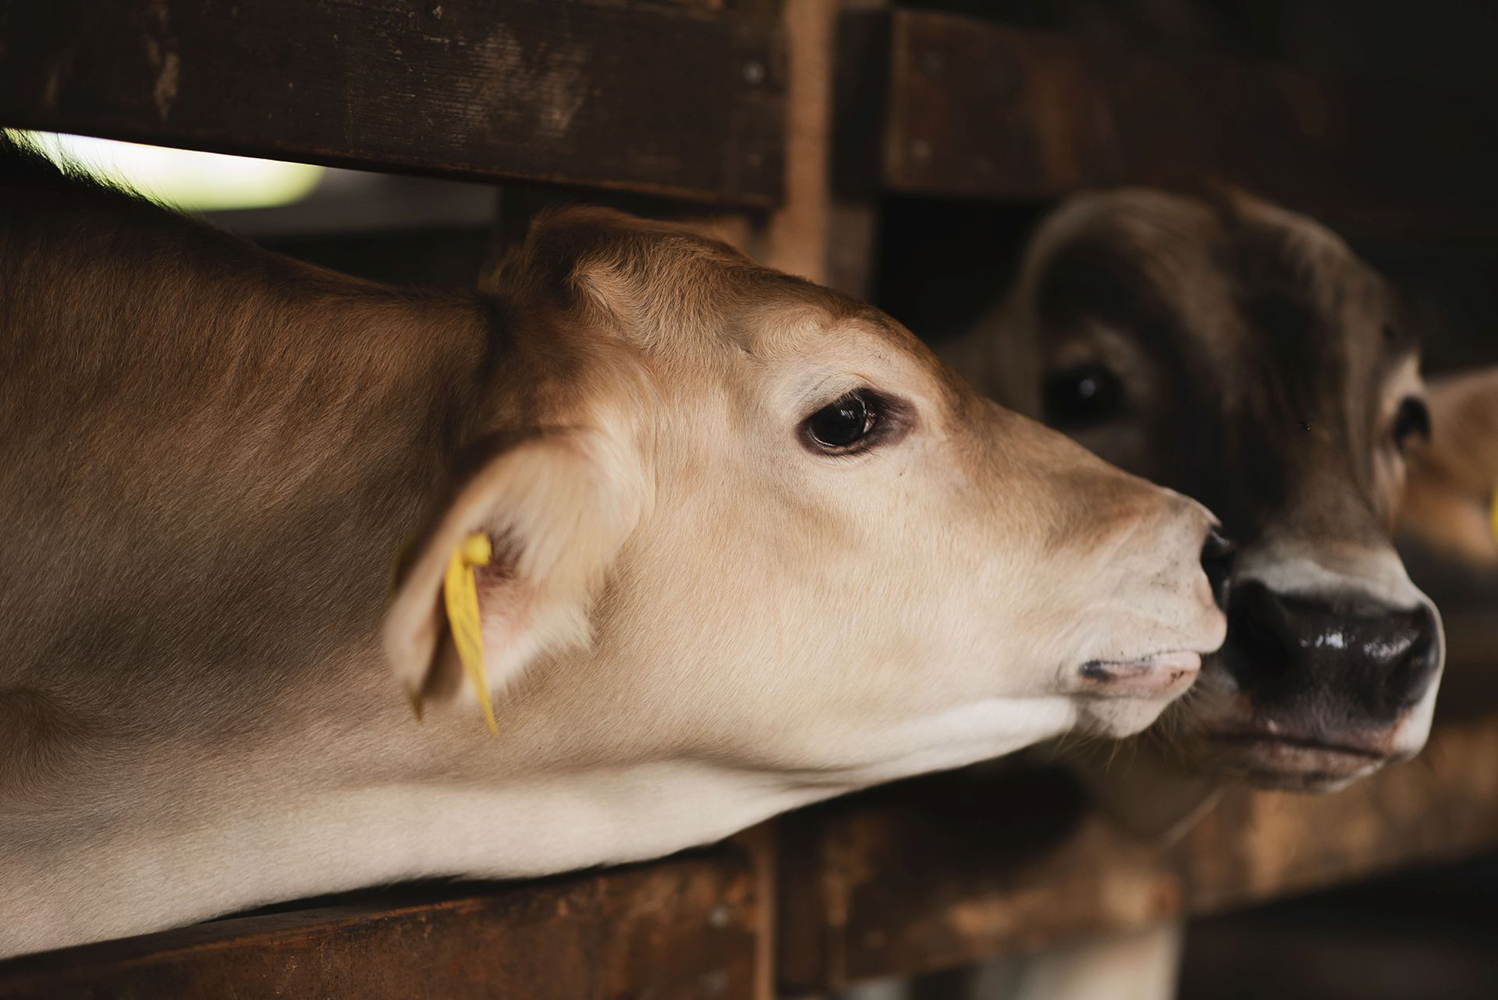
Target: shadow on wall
<point>943,264</point>
<point>1426,934</point>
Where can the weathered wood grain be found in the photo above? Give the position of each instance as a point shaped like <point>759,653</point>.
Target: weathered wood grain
<point>978,110</point>
<point>681,100</point>
<point>681,929</point>
<point>943,872</point>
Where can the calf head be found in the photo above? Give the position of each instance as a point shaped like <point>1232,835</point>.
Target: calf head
<point>1245,356</point>
<point>752,545</point>
<point>1450,513</point>
<point>763,524</point>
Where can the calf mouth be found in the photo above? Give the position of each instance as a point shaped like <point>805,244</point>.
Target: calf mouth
<point>1294,763</point>
<point>1159,675</point>
<point>1118,698</point>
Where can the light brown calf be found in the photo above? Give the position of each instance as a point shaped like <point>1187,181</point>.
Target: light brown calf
<point>754,547</point>
<point>1450,498</point>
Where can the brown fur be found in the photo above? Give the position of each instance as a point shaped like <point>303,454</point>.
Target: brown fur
<point>295,414</point>
<point>1260,365</point>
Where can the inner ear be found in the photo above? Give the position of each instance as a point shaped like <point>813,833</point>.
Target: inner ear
<point>555,508</point>
<point>505,605</point>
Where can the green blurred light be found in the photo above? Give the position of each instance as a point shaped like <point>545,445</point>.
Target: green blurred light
<point>188,179</point>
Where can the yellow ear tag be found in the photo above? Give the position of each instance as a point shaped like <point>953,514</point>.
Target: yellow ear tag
<point>461,597</point>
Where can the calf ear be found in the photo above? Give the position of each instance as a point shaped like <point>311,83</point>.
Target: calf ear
<point>1450,506</point>
<point>556,507</point>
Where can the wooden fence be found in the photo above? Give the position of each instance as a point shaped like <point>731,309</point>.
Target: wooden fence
<point>787,125</point>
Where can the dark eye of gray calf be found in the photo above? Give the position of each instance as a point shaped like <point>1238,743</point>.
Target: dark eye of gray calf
<point>1081,396</point>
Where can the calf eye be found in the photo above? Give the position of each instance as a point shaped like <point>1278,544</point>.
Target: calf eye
<point>840,426</point>
<point>1086,394</point>
<point>1412,418</point>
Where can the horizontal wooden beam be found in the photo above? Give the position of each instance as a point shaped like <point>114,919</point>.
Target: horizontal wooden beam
<point>951,870</point>
<point>682,929</point>
<point>681,100</point>
<point>973,109</point>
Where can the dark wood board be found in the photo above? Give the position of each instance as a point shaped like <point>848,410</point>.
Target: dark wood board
<point>950,870</point>
<point>978,110</point>
<point>679,100</point>
<point>682,929</point>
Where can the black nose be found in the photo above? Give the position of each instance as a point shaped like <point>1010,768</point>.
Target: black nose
<point>1344,654</point>
<point>1217,559</point>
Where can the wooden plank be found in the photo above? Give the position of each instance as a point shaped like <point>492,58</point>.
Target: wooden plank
<point>682,929</point>
<point>797,235</point>
<point>808,233</point>
<point>678,100</point>
<point>978,110</point>
<point>951,870</point>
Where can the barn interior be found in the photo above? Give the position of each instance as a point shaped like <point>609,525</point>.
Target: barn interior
<point>923,142</point>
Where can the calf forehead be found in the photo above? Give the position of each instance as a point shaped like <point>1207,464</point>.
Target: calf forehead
<point>1314,340</point>
<point>1217,287</point>
<point>795,339</point>
<point>1312,319</point>
<point>1272,337</point>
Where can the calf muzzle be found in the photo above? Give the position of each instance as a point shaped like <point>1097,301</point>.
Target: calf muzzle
<point>1363,660</point>
<point>1324,682</point>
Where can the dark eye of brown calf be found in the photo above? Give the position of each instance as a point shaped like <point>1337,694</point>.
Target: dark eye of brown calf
<point>1081,396</point>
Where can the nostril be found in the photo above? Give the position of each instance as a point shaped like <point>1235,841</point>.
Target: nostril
<point>1264,649</point>
<point>1217,560</point>
<point>1261,652</point>
<point>1409,676</point>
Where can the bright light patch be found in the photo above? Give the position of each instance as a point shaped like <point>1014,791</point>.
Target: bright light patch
<point>185,178</point>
